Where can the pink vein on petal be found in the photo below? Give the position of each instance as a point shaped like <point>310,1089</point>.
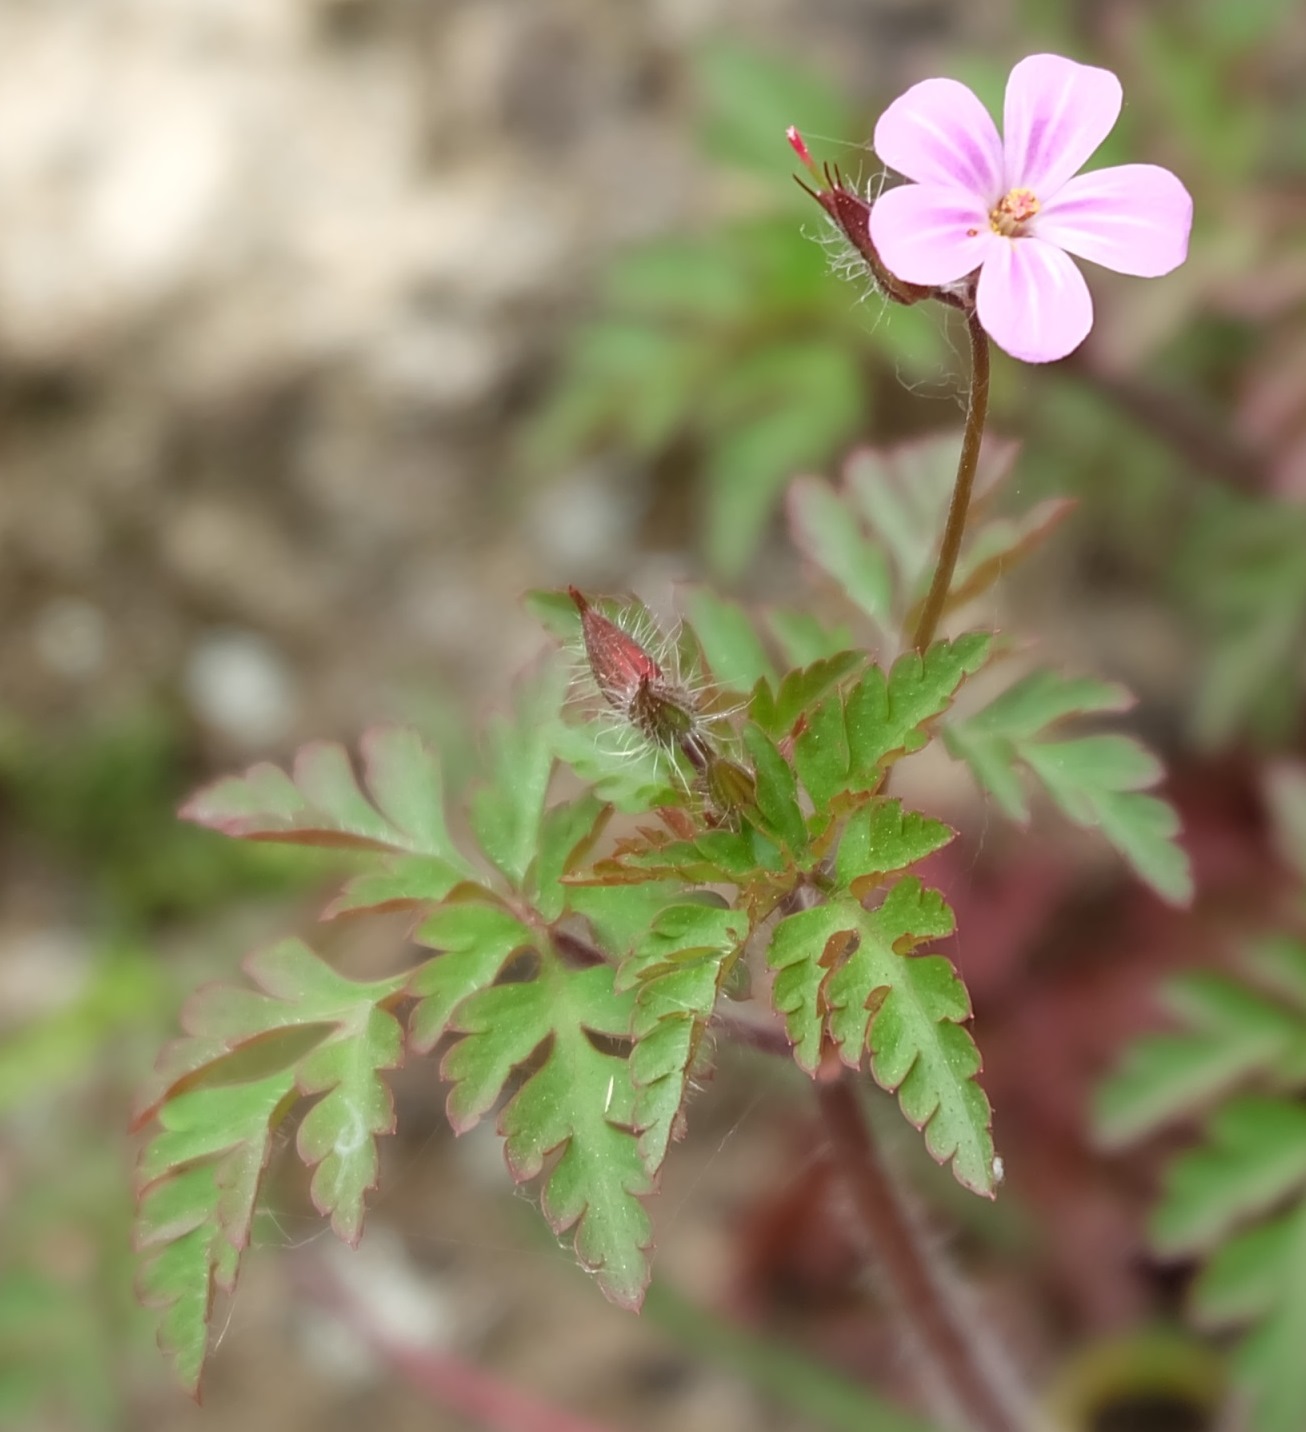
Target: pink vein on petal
<point>930,235</point>
<point>1134,218</point>
<point>1056,114</point>
<point>938,133</point>
<point>1033,301</point>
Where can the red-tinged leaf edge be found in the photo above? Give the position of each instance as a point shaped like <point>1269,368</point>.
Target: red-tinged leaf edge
<point>217,805</point>
<point>342,908</point>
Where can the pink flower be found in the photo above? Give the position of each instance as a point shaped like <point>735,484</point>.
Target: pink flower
<point>1016,209</point>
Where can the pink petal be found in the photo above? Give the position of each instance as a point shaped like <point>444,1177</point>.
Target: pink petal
<point>939,133</point>
<point>1033,301</point>
<point>928,235</point>
<point>1056,114</point>
<point>1134,219</point>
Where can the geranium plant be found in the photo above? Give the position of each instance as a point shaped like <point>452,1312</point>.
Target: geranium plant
<point>711,842</point>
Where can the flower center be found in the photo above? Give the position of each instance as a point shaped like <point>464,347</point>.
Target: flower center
<point>1013,212</point>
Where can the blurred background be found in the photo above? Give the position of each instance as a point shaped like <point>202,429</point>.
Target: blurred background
<point>327,329</point>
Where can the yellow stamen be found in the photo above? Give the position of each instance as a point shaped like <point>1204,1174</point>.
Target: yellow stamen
<point>1013,212</point>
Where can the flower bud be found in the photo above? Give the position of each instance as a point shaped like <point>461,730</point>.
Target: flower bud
<point>637,688</point>
<point>620,666</point>
<point>730,788</point>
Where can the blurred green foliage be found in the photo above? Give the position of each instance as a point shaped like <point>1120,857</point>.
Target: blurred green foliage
<point>731,352</point>
<point>68,1323</point>
<point>101,800</point>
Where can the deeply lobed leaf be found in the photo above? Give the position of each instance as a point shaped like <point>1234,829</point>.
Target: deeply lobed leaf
<point>1096,781</point>
<point>397,811</point>
<point>778,709</point>
<point>877,534</point>
<point>1237,1029</point>
<point>1254,1157</point>
<point>851,739</point>
<point>677,973</point>
<point>847,978</point>
<point>507,808</point>
<point>1240,1195</point>
<point>578,1103</point>
<point>220,1094</point>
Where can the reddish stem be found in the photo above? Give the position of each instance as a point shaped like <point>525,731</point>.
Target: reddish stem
<point>977,411</point>
<point>956,1377</point>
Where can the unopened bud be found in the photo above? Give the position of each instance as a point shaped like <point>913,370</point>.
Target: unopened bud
<point>619,664</point>
<point>730,788</point>
<point>635,686</point>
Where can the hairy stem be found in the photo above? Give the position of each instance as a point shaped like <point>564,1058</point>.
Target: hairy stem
<point>956,1377</point>
<point>977,410</point>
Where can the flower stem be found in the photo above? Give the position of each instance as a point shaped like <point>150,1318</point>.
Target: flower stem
<point>977,411</point>
<point>958,1375</point>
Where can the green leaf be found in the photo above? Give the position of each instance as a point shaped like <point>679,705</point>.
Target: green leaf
<point>621,768</point>
<point>1241,1281</point>
<point>1258,1278</point>
<point>568,833</point>
<point>1226,1197</point>
<point>193,1224</point>
<point>776,792</point>
<point>883,838</point>
<point>477,939</point>
<point>852,739</point>
<point>1242,570</point>
<point>827,532</point>
<point>878,534</point>
<point>1236,1030</point>
<point>624,381</point>
<point>323,804</point>
<point>729,640</point>
<point>805,639</point>
<point>399,811</point>
<point>219,1095</point>
<point>720,856</point>
<point>847,975</point>
<point>1269,1364</point>
<point>677,974</point>
<point>619,916</point>
<point>777,711</point>
<point>578,1103</point>
<point>1096,781</point>
<point>1254,1157</point>
<point>993,548</point>
<point>507,809</point>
